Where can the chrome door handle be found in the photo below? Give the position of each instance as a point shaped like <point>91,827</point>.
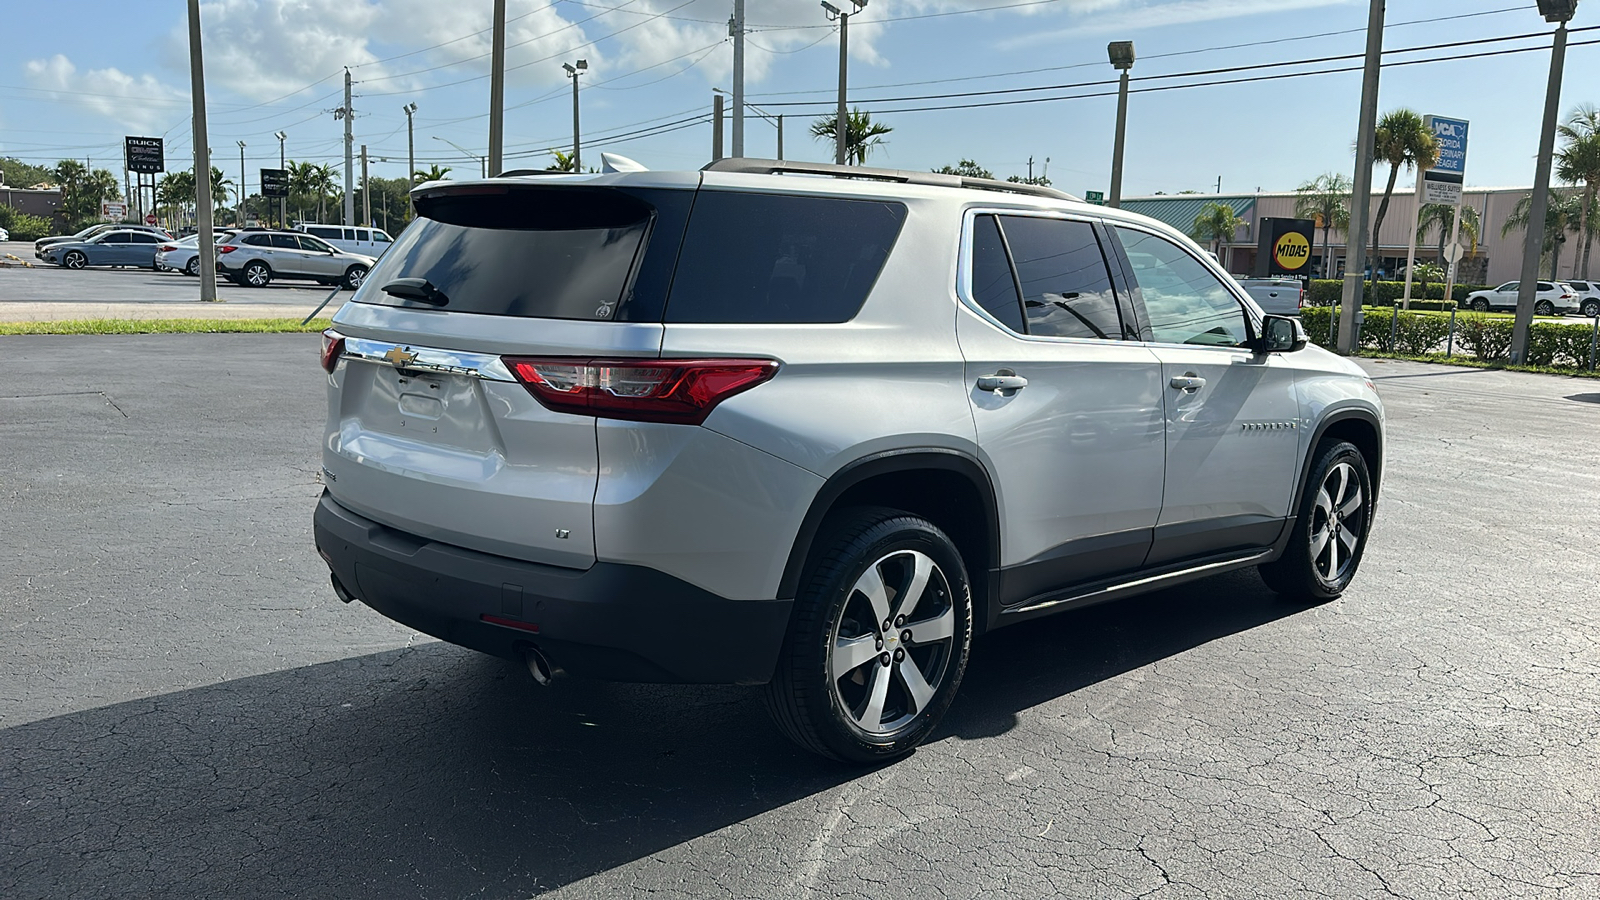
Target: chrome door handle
<point>1003,380</point>
<point>1188,382</point>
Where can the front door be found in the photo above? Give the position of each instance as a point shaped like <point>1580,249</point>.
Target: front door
<point>1066,400</point>
<point>319,258</point>
<point>1233,421</point>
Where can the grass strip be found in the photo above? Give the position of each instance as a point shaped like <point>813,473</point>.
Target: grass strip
<point>166,326</point>
<point>1471,362</point>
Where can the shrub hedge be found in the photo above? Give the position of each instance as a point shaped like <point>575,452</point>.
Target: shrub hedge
<point>24,227</point>
<point>1556,345</point>
<point>1327,291</point>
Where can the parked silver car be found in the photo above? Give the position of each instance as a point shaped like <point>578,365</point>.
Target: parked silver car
<point>1588,296</point>
<point>254,257</point>
<point>183,255</point>
<point>94,231</point>
<point>118,247</point>
<point>815,432</point>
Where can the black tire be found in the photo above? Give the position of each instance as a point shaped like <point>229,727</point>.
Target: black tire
<point>255,274</point>
<point>192,267</point>
<point>1544,308</point>
<point>74,260</point>
<point>1303,572</point>
<point>1480,305</point>
<point>818,711</point>
<point>354,275</point>
<point>1591,308</point>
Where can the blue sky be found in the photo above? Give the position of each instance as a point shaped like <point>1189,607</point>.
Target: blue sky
<point>277,65</point>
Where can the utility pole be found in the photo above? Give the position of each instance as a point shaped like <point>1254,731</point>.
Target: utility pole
<point>202,158</point>
<point>244,189</point>
<point>411,157</point>
<point>348,113</point>
<point>716,127</point>
<point>283,166</point>
<point>1121,54</point>
<point>1355,251</point>
<point>736,29</point>
<point>841,121</point>
<point>366,191</point>
<point>780,137</point>
<point>1558,11</point>
<point>573,71</point>
<point>497,90</point>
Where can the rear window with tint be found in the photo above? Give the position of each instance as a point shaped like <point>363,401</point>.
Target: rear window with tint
<point>770,258</point>
<point>545,252</point>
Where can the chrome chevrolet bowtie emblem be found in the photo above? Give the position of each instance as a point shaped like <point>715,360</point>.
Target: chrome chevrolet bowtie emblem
<point>400,358</point>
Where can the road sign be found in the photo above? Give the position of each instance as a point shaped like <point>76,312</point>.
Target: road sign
<point>144,155</point>
<point>1095,197</point>
<point>1452,252</point>
<point>274,183</point>
<point>1442,183</point>
<point>150,219</point>
<point>113,212</point>
<point>1443,192</point>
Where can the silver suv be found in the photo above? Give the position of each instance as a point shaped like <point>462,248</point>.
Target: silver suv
<point>815,433</point>
<point>254,257</point>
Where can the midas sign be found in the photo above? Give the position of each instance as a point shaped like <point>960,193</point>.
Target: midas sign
<point>1292,251</point>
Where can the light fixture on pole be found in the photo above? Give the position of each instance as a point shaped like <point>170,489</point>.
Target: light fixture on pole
<point>283,202</point>
<point>1121,53</point>
<point>841,121</point>
<point>243,188</point>
<point>411,153</point>
<point>1558,11</point>
<point>577,150</point>
<point>483,163</point>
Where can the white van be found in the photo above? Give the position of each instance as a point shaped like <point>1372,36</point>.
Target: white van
<point>366,241</point>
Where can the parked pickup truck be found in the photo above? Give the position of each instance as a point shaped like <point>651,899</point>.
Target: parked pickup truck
<point>1276,296</point>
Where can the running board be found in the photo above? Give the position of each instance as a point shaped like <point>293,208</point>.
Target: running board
<point>1111,590</point>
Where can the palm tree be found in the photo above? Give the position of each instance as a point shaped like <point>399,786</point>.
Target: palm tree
<point>1325,198</point>
<point>966,168</point>
<point>861,134</point>
<point>1217,223</point>
<point>1402,141</point>
<point>432,173</point>
<point>562,162</point>
<point>175,192</point>
<point>1579,162</point>
<point>1560,218</point>
<point>1443,217</point>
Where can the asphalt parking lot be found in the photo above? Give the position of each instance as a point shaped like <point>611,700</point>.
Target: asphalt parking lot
<point>48,293</point>
<point>186,710</point>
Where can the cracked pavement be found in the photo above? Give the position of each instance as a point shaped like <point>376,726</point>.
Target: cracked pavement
<point>186,709</point>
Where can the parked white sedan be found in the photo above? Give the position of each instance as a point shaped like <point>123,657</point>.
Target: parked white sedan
<point>184,255</point>
<point>1553,297</point>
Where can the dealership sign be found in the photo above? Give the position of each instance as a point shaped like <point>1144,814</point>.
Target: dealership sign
<point>1442,183</point>
<point>274,183</point>
<point>144,155</point>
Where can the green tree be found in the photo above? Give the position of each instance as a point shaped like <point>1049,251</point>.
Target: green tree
<point>1403,141</point>
<point>1023,179</point>
<point>1443,216</point>
<point>434,173</point>
<point>1217,223</point>
<point>83,190</point>
<point>19,174</point>
<point>861,134</point>
<point>562,162</point>
<point>966,168</point>
<point>1578,162</point>
<point>1326,200</point>
<point>1560,218</point>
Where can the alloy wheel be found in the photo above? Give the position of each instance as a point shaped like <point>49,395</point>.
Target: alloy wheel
<point>75,260</point>
<point>256,275</point>
<point>1336,523</point>
<point>890,648</point>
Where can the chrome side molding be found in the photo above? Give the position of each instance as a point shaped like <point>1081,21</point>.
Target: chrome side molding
<point>1139,585</point>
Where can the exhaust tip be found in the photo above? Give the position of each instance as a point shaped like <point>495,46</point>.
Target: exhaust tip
<point>339,588</point>
<point>538,666</point>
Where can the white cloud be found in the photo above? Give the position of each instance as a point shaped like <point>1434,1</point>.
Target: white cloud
<point>112,93</point>
<point>1135,16</point>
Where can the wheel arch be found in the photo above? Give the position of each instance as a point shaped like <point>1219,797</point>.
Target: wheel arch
<point>1360,427</point>
<point>948,488</point>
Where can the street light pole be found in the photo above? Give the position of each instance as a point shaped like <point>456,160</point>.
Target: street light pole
<point>1355,252</point>
<point>347,112</point>
<point>1121,53</point>
<point>411,156</point>
<point>736,27</point>
<point>202,158</point>
<point>497,89</point>
<point>244,188</point>
<point>283,202</point>
<point>483,163</point>
<point>841,116</point>
<point>1558,11</point>
<point>572,72</point>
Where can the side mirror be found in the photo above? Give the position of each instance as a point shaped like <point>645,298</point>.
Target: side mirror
<point>1280,334</point>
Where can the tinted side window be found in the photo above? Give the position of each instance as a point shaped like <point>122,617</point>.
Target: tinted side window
<point>146,239</point>
<point>307,242</point>
<point>322,232</point>
<point>349,234</point>
<point>1546,286</point>
<point>363,234</point>
<point>285,241</point>
<point>755,258</point>
<point>1186,304</point>
<point>257,240</point>
<point>993,288</point>
<point>1066,290</point>
<point>119,237</point>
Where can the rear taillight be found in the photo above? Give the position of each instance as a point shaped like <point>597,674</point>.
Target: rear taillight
<point>679,391</point>
<point>226,248</point>
<point>332,350</point>
<point>1300,301</point>
<point>167,248</point>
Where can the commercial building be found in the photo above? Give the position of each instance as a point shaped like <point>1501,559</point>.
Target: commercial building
<point>1495,259</point>
<point>44,203</point>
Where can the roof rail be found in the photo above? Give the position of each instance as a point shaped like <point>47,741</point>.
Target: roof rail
<point>901,176</point>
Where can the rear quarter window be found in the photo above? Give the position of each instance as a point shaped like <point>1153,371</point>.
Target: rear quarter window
<point>773,258</point>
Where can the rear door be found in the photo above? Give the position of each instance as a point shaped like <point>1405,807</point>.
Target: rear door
<point>428,431</point>
<point>142,250</point>
<point>1232,416</point>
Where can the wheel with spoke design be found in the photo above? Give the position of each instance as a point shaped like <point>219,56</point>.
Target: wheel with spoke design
<point>256,274</point>
<point>879,639</point>
<point>1330,530</point>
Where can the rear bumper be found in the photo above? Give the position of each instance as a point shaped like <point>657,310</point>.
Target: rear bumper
<point>612,621</point>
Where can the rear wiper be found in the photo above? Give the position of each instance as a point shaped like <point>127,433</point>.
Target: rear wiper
<point>418,289</point>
